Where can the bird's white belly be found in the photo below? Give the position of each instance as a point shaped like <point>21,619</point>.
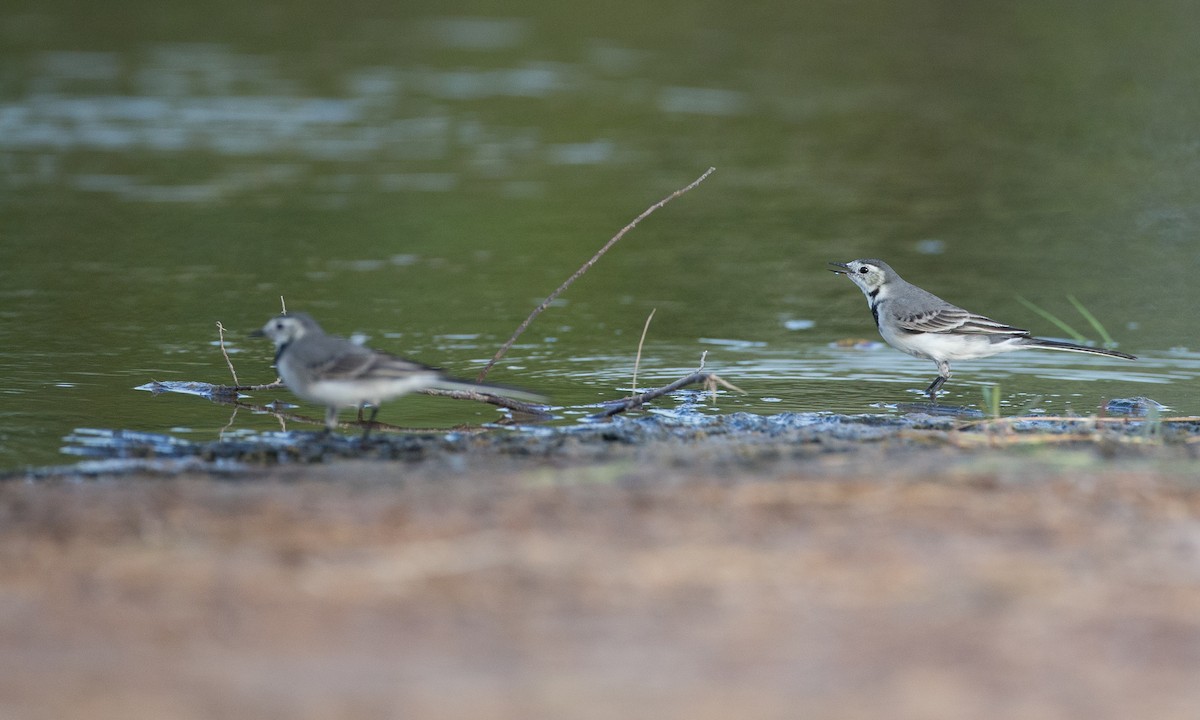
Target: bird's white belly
<point>942,346</point>
<point>353,393</point>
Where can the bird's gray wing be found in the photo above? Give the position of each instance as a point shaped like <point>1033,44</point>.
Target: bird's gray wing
<point>955,320</point>
<point>357,362</point>
<point>383,365</point>
<point>346,366</point>
<point>332,358</point>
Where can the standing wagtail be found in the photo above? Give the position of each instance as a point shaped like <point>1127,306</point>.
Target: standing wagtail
<point>338,373</point>
<point>924,325</point>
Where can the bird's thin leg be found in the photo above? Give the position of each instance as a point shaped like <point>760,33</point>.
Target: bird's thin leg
<point>943,376</point>
<point>370,420</point>
<point>330,420</point>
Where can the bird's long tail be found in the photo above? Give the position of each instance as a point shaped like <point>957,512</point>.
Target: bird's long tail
<point>501,390</point>
<point>1072,347</point>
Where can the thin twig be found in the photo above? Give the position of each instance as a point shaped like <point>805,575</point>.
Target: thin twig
<point>232,417</point>
<point>584,268</point>
<point>221,340</point>
<point>489,398</point>
<point>706,378</point>
<point>637,360</point>
<point>718,380</point>
<point>710,381</point>
<point>275,385</point>
<point>283,305</point>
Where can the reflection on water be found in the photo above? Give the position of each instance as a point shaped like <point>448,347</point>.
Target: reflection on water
<point>424,180</point>
<point>212,100</point>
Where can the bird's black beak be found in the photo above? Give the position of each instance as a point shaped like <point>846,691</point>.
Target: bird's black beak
<point>257,333</point>
<point>839,268</point>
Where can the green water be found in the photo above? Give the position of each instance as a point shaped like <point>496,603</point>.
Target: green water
<point>425,176</point>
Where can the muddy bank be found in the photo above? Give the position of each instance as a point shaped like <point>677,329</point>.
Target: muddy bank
<point>740,435</point>
<point>769,574</point>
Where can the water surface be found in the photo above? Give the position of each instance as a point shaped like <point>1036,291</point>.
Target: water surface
<point>424,179</point>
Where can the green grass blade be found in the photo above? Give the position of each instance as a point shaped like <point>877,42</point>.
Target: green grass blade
<point>1027,408</point>
<point>1072,332</point>
<point>991,399</point>
<point>1087,315</point>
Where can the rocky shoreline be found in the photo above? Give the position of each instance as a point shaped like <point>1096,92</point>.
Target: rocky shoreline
<point>112,452</point>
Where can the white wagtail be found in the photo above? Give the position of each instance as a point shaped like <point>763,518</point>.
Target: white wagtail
<point>338,373</point>
<point>925,326</point>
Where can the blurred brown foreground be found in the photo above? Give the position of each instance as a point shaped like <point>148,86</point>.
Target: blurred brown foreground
<point>661,582</point>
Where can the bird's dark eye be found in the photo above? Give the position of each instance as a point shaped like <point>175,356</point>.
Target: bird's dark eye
<point>863,270</point>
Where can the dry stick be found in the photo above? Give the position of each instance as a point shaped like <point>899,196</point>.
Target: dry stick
<point>277,383</point>
<point>586,266</point>
<point>489,398</point>
<point>236,387</point>
<point>232,417</point>
<point>710,380</point>
<point>248,388</point>
<point>221,341</point>
<point>637,360</point>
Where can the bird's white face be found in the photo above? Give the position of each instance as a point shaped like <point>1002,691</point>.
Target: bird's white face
<point>283,330</point>
<point>866,275</point>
